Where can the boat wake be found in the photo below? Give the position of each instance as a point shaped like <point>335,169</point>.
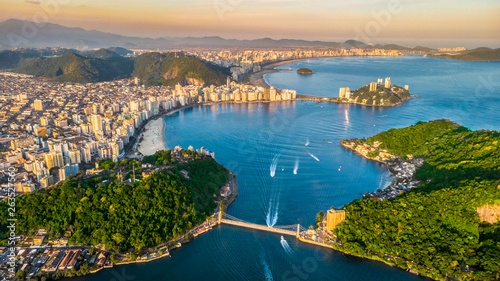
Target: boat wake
<point>296,167</point>
<point>274,164</point>
<point>272,215</point>
<point>286,247</point>
<point>307,142</point>
<point>267,271</point>
<point>312,155</point>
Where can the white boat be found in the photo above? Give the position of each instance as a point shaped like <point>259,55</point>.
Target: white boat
<point>283,239</point>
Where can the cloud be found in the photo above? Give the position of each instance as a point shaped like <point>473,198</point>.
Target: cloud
<point>37,2</point>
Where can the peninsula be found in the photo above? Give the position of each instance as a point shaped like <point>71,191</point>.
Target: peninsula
<point>478,54</point>
<point>440,217</point>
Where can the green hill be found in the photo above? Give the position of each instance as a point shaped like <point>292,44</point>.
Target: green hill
<point>76,68</point>
<point>120,215</point>
<point>382,96</point>
<point>121,51</point>
<point>172,68</point>
<point>435,228</point>
<point>10,59</point>
<point>479,54</point>
<point>105,65</point>
<point>100,54</point>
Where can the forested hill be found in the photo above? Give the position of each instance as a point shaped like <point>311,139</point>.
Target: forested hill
<point>72,67</point>
<point>106,65</point>
<point>172,68</point>
<point>120,215</point>
<point>449,226</point>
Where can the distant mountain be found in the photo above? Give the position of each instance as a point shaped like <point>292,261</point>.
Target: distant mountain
<point>76,68</point>
<point>172,68</point>
<point>121,51</point>
<point>354,43</point>
<point>54,35</point>
<point>100,54</point>
<point>14,58</point>
<point>422,49</point>
<point>479,54</point>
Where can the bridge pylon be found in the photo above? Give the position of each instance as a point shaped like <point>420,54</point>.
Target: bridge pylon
<point>298,230</point>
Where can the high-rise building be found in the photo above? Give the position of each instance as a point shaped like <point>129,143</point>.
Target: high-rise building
<point>272,94</point>
<point>333,218</point>
<point>75,156</point>
<point>38,105</point>
<point>343,91</point>
<point>373,87</point>
<point>62,173</point>
<point>266,94</point>
<point>96,121</point>
<point>49,161</point>
<point>387,82</point>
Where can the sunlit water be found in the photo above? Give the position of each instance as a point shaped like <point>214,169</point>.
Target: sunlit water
<point>290,165</point>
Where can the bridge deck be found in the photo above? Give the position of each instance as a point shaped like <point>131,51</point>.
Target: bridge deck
<point>259,227</point>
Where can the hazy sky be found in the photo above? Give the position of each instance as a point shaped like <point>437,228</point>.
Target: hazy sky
<point>408,22</point>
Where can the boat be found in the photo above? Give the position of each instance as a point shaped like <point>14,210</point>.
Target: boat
<point>282,239</point>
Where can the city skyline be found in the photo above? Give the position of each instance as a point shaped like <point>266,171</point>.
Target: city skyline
<point>408,23</point>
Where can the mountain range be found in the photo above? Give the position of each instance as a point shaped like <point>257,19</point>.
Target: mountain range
<point>16,33</point>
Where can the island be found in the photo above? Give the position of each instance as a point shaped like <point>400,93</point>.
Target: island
<point>376,94</point>
<point>380,93</point>
<point>440,217</point>
<point>305,71</point>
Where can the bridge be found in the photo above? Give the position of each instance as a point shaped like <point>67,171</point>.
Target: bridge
<point>292,230</point>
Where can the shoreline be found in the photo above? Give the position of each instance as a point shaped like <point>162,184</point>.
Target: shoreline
<point>152,138</point>
<point>257,78</point>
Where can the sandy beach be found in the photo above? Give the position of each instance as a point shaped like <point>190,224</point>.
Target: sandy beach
<point>257,78</point>
<point>152,137</point>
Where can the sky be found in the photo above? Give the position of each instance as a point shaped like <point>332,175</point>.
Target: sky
<point>434,23</point>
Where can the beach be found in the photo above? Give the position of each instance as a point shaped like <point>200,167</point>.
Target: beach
<point>152,139</point>
<point>257,78</point>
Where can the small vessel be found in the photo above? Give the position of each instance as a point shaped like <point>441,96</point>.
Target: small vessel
<point>282,239</point>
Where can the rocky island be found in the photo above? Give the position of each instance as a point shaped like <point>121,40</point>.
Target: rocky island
<point>376,94</point>
<point>305,71</point>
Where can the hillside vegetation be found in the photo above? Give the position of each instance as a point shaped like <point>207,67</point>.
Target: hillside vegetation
<point>106,65</point>
<point>172,68</point>
<point>382,96</point>
<point>434,229</point>
<point>124,215</point>
<point>76,68</point>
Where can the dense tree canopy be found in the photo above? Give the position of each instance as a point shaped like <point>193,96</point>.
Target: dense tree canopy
<point>124,215</point>
<point>434,229</point>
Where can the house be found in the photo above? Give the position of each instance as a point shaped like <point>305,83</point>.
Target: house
<point>38,240</point>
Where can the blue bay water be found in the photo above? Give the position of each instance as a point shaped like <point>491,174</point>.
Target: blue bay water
<point>258,140</point>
